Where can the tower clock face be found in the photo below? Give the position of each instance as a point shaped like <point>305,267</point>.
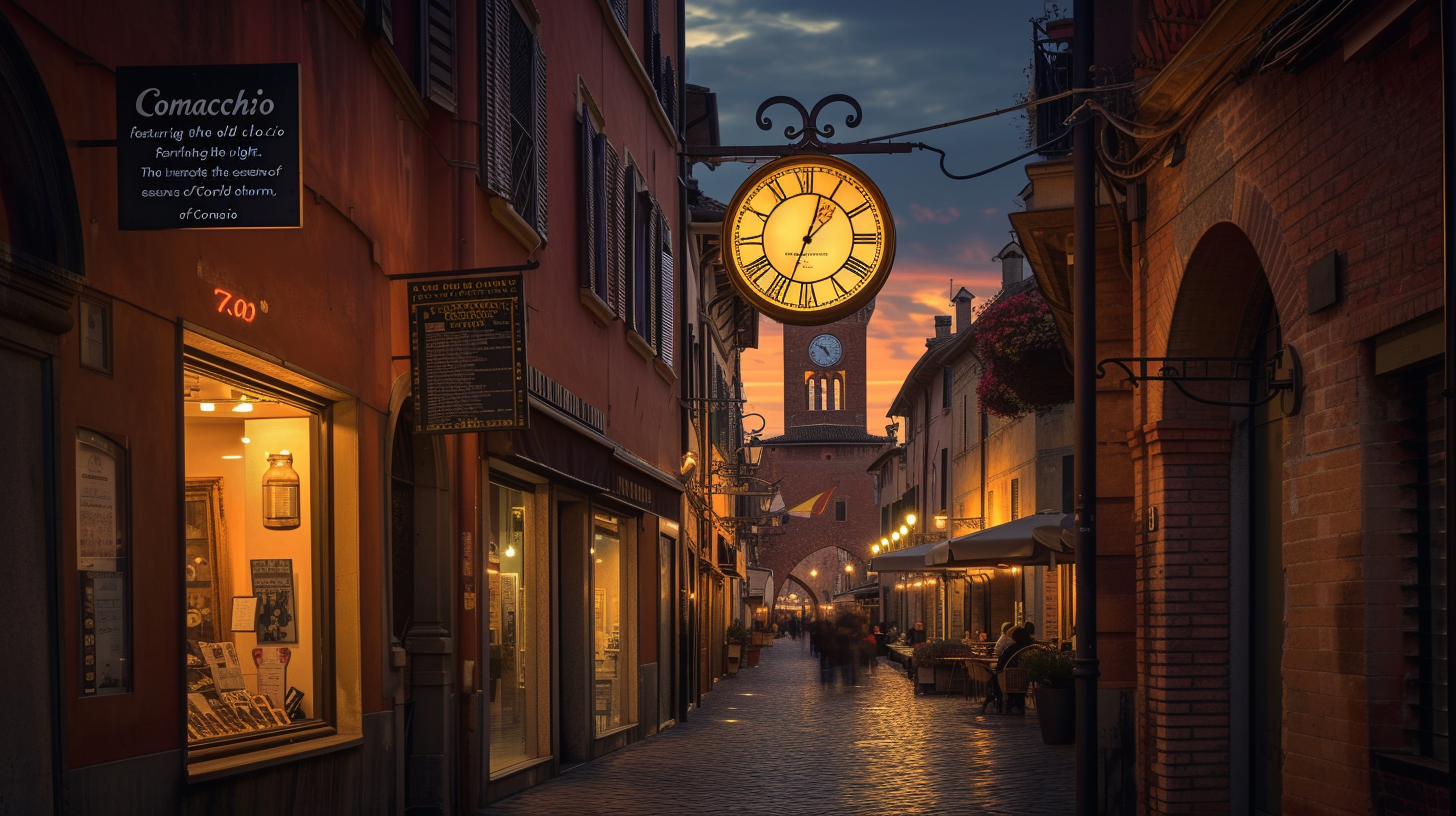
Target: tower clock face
<point>808,239</point>
<point>825,350</point>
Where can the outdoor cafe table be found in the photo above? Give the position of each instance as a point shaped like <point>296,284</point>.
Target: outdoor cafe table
<point>901,654</point>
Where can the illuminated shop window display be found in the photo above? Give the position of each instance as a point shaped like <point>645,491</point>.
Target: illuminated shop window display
<point>250,543</point>
<point>610,686</point>
<point>513,683</point>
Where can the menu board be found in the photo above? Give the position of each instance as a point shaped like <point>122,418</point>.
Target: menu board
<point>468,352</point>
<point>207,146</point>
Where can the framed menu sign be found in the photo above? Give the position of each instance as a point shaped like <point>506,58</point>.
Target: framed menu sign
<point>102,550</point>
<point>468,353</point>
<point>207,146</point>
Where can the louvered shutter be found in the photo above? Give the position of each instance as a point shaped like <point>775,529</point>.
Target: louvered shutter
<point>668,92</point>
<point>616,236</point>
<point>619,10</point>
<point>538,122</point>
<point>653,43</point>
<point>383,21</point>
<point>438,59</point>
<point>654,276</point>
<point>588,208</point>
<point>495,96</point>
<point>667,301</point>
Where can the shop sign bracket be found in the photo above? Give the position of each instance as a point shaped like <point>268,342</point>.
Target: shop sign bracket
<point>1281,375</point>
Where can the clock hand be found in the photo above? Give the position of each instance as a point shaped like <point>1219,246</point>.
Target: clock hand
<point>808,233</point>
<point>821,225</point>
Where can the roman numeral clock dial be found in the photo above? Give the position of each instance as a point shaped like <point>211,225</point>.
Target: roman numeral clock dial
<point>809,239</point>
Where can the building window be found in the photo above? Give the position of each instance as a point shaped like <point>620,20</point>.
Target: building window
<point>809,384</point>
<point>841,511</point>
<point>990,507</point>
<point>595,186</point>
<point>944,477</point>
<point>838,395</point>
<point>513,683</point>
<point>253,530</point>
<point>1015,499</point>
<point>945,387</point>
<point>513,112</point>
<point>1424,590</point>
<point>609,692</point>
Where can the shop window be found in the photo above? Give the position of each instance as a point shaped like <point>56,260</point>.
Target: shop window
<point>609,699</point>
<point>254,576</point>
<point>513,684</point>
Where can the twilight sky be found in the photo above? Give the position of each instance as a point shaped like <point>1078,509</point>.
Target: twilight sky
<point>910,64</point>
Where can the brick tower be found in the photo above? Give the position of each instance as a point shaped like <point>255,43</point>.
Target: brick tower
<point>824,445</point>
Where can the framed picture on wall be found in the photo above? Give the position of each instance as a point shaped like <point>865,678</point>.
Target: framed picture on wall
<point>277,606</point>
<point>204,549</point>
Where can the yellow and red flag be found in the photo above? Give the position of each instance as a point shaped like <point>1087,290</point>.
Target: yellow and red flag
<point>812,506</point>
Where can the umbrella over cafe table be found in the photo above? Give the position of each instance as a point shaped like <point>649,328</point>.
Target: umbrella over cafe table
<point>1035,539</point>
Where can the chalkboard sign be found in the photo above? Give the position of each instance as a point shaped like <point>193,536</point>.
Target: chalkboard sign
<point>468,351</point>
<point>207,146</point>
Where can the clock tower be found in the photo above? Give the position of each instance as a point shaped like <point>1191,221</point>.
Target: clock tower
<point>824,372</point>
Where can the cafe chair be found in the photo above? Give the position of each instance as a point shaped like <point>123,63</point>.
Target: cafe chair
<point>1014,684</point>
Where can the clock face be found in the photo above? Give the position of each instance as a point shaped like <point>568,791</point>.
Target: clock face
<point>825,349</point>
<point>808,239</point>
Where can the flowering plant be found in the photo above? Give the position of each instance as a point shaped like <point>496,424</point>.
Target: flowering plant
<point>1021,351</point>
<point>934,649</point>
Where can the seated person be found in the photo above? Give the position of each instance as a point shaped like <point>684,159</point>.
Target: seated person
<point>917,635</point>
<point>1005,638</point>
<point>1020,642</point>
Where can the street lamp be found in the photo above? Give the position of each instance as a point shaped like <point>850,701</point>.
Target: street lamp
<point>813,573</point>
<point>940,519</point>
<point>849,568</point>
<point>910,519</point>
<point>895,536</point>
<point>875,548</point>
<point>904,531</point>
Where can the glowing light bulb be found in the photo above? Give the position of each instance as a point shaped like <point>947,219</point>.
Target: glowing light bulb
<point>510,551</point>
<point>243,408</point>
<point>910,519</point>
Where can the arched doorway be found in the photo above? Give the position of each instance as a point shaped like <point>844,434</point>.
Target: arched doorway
<point>419,584</point>
<point>1225,308</point>
<point>41,255</point>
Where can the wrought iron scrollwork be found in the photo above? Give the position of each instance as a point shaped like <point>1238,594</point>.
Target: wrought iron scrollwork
<point>810,134</point>
<point>1281,376</point>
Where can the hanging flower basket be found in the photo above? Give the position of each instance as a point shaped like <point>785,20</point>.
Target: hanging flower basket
<point>1021,349</point>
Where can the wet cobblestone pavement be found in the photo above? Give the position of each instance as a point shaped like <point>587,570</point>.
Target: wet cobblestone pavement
<point>774,741</point>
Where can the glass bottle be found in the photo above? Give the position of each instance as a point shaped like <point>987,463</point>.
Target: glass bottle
<point>281,505</point>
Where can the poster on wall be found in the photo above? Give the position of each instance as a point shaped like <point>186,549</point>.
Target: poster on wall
<point>468,354</point>
<point>208,146</point>
<point>277,612</point>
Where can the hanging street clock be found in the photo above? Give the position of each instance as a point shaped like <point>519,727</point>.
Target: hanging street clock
<point>808,239</point>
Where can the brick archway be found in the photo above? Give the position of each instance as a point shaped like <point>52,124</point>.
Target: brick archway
<point>1194,568</point>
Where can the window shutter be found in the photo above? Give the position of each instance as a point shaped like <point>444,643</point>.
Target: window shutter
<point>538,122</point>
<point>653,262</point>
<point>588,209</point>
<point>495,96</point>
<point>668,300</point>
<point>619,10</point>
<point>616,243</point>
<point>382,19</point>
<point>652,44</point>
<point>668,92</point>
<point>438,51</point>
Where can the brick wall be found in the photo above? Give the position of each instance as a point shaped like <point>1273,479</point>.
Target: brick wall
<point>1342,157</point>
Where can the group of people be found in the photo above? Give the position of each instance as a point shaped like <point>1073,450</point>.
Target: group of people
<point>845,645</point>
<point>1013,641</point>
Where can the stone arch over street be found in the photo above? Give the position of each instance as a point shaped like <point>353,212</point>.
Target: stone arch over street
<point>829,563</point>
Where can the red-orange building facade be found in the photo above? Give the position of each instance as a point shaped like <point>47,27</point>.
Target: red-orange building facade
<point>470,611</point>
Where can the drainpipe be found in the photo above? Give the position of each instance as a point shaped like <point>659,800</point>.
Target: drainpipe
<point>1084,331</point>
<point>1448,41</point>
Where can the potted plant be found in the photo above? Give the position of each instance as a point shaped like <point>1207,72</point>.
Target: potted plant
<point>1056,702</point>
<point>933,662</point>
<point>736,637</point>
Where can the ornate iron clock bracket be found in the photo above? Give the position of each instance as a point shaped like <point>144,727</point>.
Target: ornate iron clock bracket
<point>1281,375</point>
<point>810,134</point>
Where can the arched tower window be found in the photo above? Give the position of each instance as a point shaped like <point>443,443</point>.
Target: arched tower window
<point>838,393</point>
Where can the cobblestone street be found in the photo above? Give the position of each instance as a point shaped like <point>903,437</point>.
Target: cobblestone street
<point>773,741</point>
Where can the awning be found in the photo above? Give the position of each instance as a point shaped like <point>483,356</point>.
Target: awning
<point>911,559</point>
<point>865,591</point>
<point>1026,541</point>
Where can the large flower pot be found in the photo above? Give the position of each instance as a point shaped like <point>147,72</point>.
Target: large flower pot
<point>1056,712</point>
<point>751,655</point>
<point>735,656</point>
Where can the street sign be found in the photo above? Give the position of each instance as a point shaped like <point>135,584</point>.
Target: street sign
<point>207,146</point>
<point>468,353</point>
